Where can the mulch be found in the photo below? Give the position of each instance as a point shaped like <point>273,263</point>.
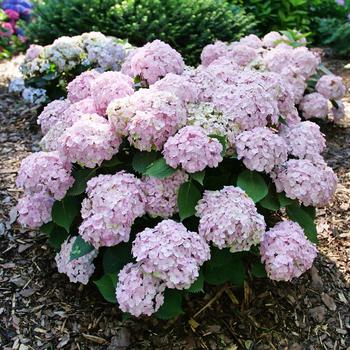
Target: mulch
<point>40,309</point>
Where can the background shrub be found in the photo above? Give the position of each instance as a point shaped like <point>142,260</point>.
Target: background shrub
<point>186,25</point>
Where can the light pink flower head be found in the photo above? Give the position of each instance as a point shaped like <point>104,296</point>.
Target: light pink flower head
<point>305,61</point>
<point>52,114</point>
<point>148,118</point>
<point>34,209</point>
<point>78,270</point>
<point>229,218</point>
<point>45,172</point>
<point>113,203</point>
<point>193,150</point>
<point>312,184</point>
<point>314,105</point>
<point>242,54</point>
<point>80,88</point>
<point>331,87</point>
<point>252,41</point>
<point>89,141</point>
<point>213,51</point>
<point>139,293</point>
<point>271,39</point>
<point>286,252</point>
<point>109,86</point>
<point>33,52</point>
<point>172,253</point>
<point>153,61</point>
<point>304,139</point>
<point>161,194</point>
<point>261,149</point>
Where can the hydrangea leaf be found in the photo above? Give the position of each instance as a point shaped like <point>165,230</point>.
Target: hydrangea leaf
<point>197,285</point>
<point>270,201</point>
<point>81,176</point>
<point>199,176</point>
<point>65,211</point>
<point>220,257</point>
<point>253,184</point>
<point>187,199</point>
<point>237,274</point>
<point>303,218</point>
<point>284,200</point>
<point>114,258</point>
<point>159,169</point>
<point>47,228</point>
<point>172,306</point>
<point>80,248</point>
<point>111,163</point>
<point>258,270</point>
<point>57,235</point>
<point>142,160</point>
<point>106,285</point>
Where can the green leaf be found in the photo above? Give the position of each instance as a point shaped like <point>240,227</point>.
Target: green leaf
<point>114,258</point>
<point>172,306</point>
<point>270,201</point>
<point>253,184</point>
<point>197,285</point>
<point>199,176</point>
<point>222,140</point>
<point>65,211</point>
<point>80,248</point>
<point>237,274</point>
<point>302,217</point>
<point>142,160</point>
<point>47,228</point>
<point>56,234</point>
<point>284,200</point>
<point>220,257</point>
<point>187,199</point>
<point>106,285</point>
<point>258,270</point>
<point>159,169</point>
<point>111,163</point>
<point>81,176</point>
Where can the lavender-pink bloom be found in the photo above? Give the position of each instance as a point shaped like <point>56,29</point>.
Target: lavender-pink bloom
<point>286,252</point>
<point>213,51</point>
<point>314,105</point>
<point>80,88</point>
<point>229,218</point>
<point>331,87</point>
<point>172,253</point>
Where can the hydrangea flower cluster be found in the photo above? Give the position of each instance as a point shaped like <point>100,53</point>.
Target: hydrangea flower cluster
<point>113,203</point>
<point>80,87</point>
<point>193,149</point>
<point>313,184</point>
<point>331,87</point>
<point>153,61</point>
<point>238,227</point>
<point>89,141</point>
<point>314,105</point>
<point>78,270</point>
<point>286,252</point>
<point>161,194</point>
<point>261,149</point>
<point>171,253</point>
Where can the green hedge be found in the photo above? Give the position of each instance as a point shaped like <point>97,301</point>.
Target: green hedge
<point>187,25</point>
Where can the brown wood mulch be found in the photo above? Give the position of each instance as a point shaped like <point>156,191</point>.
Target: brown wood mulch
<point>39,309</point>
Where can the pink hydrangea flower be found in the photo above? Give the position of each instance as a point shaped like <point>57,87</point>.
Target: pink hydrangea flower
<point>213,51</point>
<point>161,194</point>
<point>193,150</point>
<point>252,41</point>
<point>89,141</point>
<point>139,293</point>
<point>80,88</point>
<point>242,54</point>
<point>286,252</point>
<point>304,139</point>
<point>153,61</point>
<point>305,61</point>
<point>295,82</point>
<point>172,253</point>
<point>45,172</point>
<point>312,184</point>
<point>314,105</point>
<point>113,203</point>
<point>271,39</point>
<point>34,209</point>
<point>11,14</point>
<point>179,85</point>
<point>78,270</point>
<point>229,218</point>
<point>109,86</point>
<point>261,149</point>
<point>33,52</point>
<point>331,87</point>
<point>148,118</point>
<point>51,141</point>
<point>52,114</point>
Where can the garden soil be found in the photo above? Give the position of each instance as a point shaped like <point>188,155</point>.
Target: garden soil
<point>40,309</point>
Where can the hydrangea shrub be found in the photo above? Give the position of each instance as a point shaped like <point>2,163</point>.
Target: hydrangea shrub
<point>173,178</point>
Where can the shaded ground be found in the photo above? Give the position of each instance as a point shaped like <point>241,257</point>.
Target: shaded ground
<point>39,309</point>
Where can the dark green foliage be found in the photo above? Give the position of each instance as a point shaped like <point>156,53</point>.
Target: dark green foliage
<point>186,25</point>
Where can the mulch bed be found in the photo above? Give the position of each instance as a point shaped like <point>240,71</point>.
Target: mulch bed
<point>40,309</point>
